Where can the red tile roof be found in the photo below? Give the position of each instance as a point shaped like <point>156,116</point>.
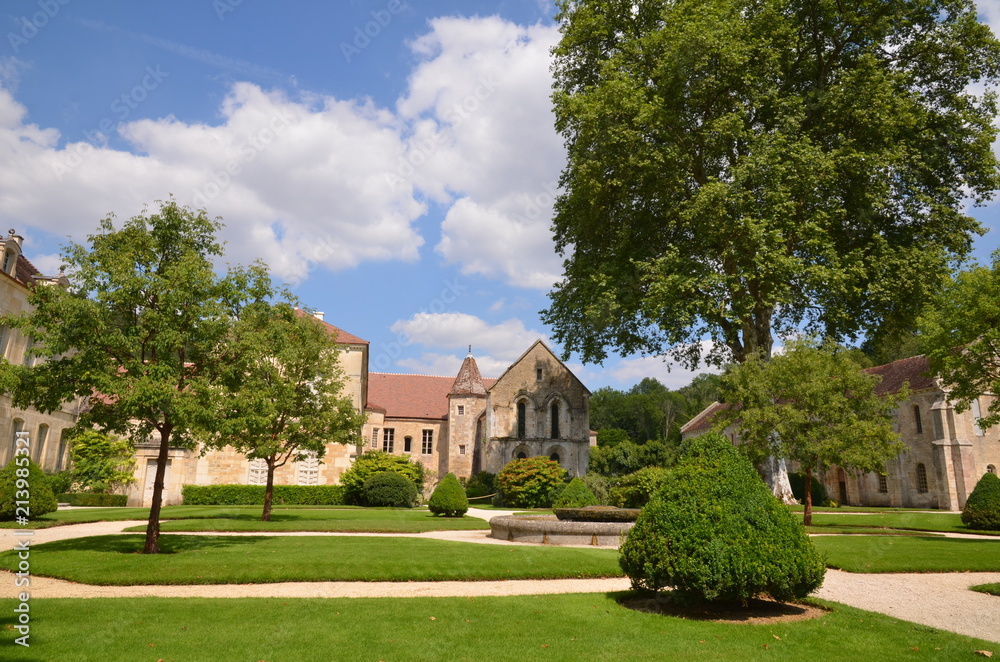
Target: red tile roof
<point>913,370</point>
<point>703,421</point>
<point>412,396</point>
<point>342,337</point>
<point>469,380</point>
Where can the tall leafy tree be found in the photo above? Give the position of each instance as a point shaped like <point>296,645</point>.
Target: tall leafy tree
<point>813,404</point>
<point>143,332</point>
<point>961,337</point>
<point>738,169</point>
<point>282,399</point>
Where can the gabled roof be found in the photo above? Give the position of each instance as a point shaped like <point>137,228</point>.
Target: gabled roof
<point>413,396</point>
<point>342,337</point>
<point>703,421</point>
<point>469,380</point>
<point>550,353</point>
<point>915,370</point>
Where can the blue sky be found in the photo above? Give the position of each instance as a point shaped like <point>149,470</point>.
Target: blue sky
<point>394,162</point>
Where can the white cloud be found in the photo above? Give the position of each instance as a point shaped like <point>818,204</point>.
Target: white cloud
<point>447,365</point>
<point>47,265</point>
<point>667,372</point>
<point>505,341</point>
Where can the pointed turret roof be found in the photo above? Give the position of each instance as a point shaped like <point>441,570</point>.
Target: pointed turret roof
<point>469,380</point>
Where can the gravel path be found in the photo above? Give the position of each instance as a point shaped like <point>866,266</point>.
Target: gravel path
<point>940,600</point>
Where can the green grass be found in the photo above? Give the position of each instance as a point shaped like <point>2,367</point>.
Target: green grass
<point>202,559</point>
<point>945,522</point>
<point>992,589</point>
<point>543,628</point>
<point>909,554</point>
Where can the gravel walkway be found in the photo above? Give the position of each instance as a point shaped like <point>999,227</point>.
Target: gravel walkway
<point>940,600</point>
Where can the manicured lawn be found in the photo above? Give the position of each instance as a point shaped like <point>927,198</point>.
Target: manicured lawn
<point>283,518</point>
<point>909,554</point>
<point>992,589</point>
<point>829,523</point>
<point>564,627</point>
<point>203,559</point>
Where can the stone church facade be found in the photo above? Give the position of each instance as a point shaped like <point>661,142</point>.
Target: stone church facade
<point>946,454</point>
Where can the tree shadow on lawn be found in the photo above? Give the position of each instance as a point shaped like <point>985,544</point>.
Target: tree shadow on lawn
<point>762,611</point>
<point>169,544</point>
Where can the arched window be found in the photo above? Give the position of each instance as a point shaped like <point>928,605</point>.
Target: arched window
<point>921,478</point>
<point>61,459</point>
<point>991,469</point>
<point>916,419</point>
<point>555,420</point>
<point>521,422</point>
<point>554,457</point>
<point>522,455</point>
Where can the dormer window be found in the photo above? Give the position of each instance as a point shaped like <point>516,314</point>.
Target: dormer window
<point>9,259</point>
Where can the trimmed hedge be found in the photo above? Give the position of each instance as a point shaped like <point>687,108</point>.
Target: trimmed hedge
<point>982,509</point>
<point>714,532</point>
<point>529,482</point>
<point>23,478</point>
<point>449,498</point>
<point>575,495</point>
<point>253,495</point>
<point>95,499</point>
<point>390,489</point>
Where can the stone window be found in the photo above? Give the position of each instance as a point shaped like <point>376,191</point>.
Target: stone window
<point>522,455</point>
<point>258,472</point>
<point>991,469</point>
<point>977,415</point>
<point>538,374</point>
<point>921,479</point>
<point>883,484</point>
<point>388,439</point>
<point>374,437</point>
<point>554,457</point>
<point>521,422</point>
<point>427,442</point>
<point>461,449</point>
<point>916,419</point>
<point>407,444</point>
<point>461,410</point>
<point>555,420</point>
<point>308,473</point>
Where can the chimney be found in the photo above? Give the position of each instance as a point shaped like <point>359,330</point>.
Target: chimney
<point>319,315</point>
<point>18,239</point>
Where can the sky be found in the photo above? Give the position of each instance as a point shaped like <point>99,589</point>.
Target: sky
<point>393,162</point>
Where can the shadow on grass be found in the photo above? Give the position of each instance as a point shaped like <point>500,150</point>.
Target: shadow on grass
<point>755,612</point>
<point>169,544</point>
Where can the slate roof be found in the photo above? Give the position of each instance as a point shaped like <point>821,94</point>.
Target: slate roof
<point>412,396</point>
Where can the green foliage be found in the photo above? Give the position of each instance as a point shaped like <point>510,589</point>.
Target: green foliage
<point>737,168</point>
<point>714,532</point>
<point>253,495</point>
<point>372,462</point>
<point>449,498</point>
<point>61,481</point>
<point>610,437</point>
<point>798,484</point>
<point>390,489</point>
<point>481,485</point>
<point>648,411</point>
<point>529,482</point>
<point>961,337</point>
<point>94,499</point>
<point>23,480</point>
<point>100,462</point>
<point>628,457</point>
<point>982,508</point>
<point>575,495</point>
<point>636,489</point>
<point>598,485</point>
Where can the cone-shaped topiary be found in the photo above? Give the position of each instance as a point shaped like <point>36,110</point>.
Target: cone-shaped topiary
<point>982,509</point>
<point>23,480</point>
<point>715,532</point>
<point>388,488</point>
<point>449,498</point>
<point>576,495</point>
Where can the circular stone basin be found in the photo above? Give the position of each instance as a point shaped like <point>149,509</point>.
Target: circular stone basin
<point>549,530</point>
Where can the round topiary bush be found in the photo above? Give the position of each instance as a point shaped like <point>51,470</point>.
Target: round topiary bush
<point>23,480</point>
<point>528,482</point>
<point>576,495</point>
<point>372,462</point>
<point>449,498</point>
<point>714,532</point>
<point>388,488</point>
<point>982,509</point>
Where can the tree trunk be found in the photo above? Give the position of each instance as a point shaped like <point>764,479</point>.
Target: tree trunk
<point>807,516</point>
<point>268,491</point>
<point>153,527</point>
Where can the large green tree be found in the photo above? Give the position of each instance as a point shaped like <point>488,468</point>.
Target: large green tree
<point>282,397</point>
<point>813,403</point>
<point>738,169</point>
<point>961,337</point>
<point>142,332</point>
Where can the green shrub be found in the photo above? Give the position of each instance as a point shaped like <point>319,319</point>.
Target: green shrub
<point>94,499</point>
<point>480,485</point>
<point>598,485</point>
<point>449,498</point>
<point>715,532</point>
<point>372,462</point>
<point>636,489</point>
<point>982,509</point>
<point>390,489</point>
<point>101,463</point>
<point>798,484</point>
<point>528,482</point>
<point>60,481</point>
<point>23,480</point>
<point>253,495</point>
<point>575,495</point>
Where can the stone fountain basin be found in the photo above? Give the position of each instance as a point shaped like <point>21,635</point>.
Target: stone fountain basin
<point>550,530</point>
